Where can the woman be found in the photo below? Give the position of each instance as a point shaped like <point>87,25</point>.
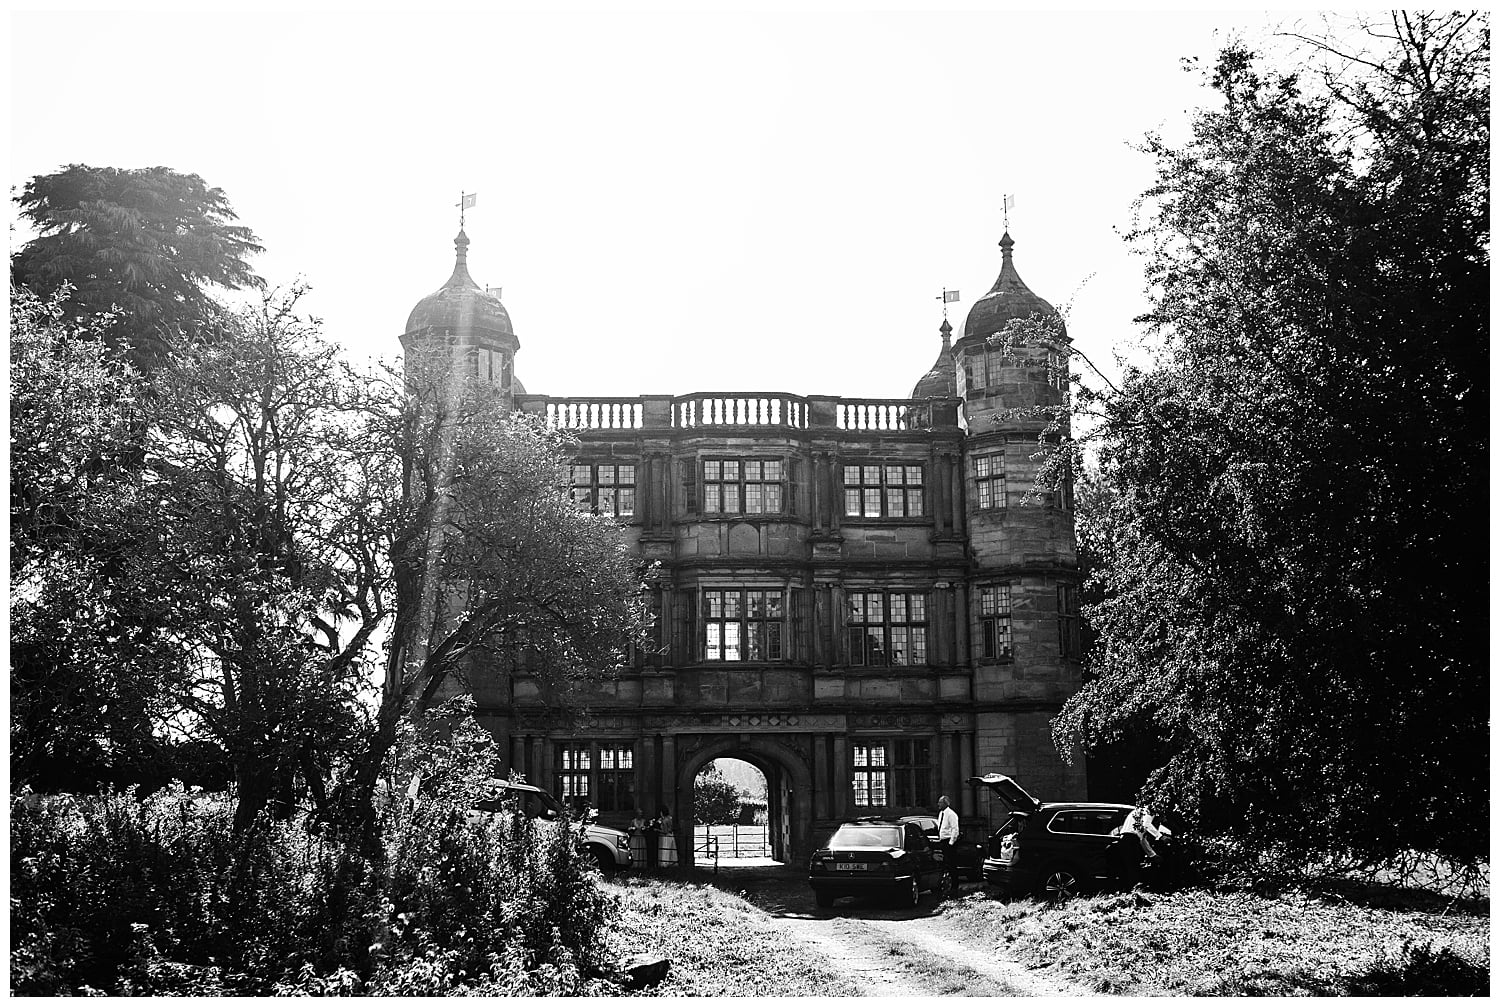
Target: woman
<point>666,852</point>
<point>638,838</point>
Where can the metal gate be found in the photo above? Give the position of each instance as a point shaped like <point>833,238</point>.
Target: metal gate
<point>735,841</point>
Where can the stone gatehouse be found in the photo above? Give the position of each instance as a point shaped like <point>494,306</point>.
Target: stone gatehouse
<point>861,597</point>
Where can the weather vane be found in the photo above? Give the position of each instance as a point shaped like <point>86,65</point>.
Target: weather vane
<point>947,297</point>
<point>465,200</point>
<point>1010,201</point>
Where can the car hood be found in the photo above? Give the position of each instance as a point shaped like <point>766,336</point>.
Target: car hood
<point>1009,792</point>
<point>602,831</point>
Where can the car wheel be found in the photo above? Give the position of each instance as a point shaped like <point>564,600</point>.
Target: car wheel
<point>603,860</point>
<point>913,894</point>
<point>947,885</point>
<point>825,900</point>
<point>1060,883</point>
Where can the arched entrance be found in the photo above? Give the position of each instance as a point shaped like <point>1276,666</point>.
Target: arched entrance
<point>729,811</point>
<point>788,789</point>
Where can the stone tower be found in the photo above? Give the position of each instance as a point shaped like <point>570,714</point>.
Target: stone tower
<point>1023,551</point>
<point>467,322</point>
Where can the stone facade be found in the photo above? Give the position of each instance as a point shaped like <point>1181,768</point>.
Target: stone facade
<point>857,596</point>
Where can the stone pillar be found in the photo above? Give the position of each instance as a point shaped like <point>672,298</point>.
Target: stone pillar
<point>658,516</point>
<point>815,492</point>
<point>940,621</point>
<point>682,628</point>
<point>817,767</point>
<point>964,653</point>
<point>668,776</point>
<point>536,769</point>
<point>822,412</point>
<point>667,628</point>
<point>966,765</point>
<point>656,411</point>
<point>836,634</point>
<point>822,612</point>
<point>937,506</point>
<point>953,770</point>
<point>647,774</point>
<point>956,497</point>
<point>843,782</point>
<point>833,500</point>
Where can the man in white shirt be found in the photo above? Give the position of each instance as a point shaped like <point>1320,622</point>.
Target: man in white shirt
<point>947,826</point>
<point>1141,823</point>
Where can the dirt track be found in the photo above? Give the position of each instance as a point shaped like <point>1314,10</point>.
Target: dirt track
<point>887,951</point>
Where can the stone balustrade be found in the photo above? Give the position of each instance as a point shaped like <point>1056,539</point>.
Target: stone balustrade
<point>715,409</point>
<point>591,414</point>
<point>884,414</point>
<point>742,410</point>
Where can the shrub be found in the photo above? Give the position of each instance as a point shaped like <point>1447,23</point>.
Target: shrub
<point>1423,969</point>
<point>158,896</point>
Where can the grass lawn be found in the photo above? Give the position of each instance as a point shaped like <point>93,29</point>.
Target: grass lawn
<point>1358,941</point>
<point>719,944</point>
<point>1200,943</point>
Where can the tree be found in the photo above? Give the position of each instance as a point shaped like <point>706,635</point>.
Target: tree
<point>716,801</point>
<point>254,547</point>
<point>286,514</point>
<point>75,719</point>
<point>1291,598</point>
<point>493,569</point>
<point>139,244</point>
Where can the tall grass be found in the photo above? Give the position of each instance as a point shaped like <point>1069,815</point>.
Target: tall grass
<point>119,896</point>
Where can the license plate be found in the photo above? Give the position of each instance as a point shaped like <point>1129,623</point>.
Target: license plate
<point>851,867</point>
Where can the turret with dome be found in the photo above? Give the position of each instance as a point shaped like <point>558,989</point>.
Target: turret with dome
<point>1007,300</point>
<point>972,368</point>
<point>942,379</point>
<point>468,319</point>
<point>993,374</point>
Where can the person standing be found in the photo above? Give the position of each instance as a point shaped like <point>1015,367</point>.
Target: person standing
<point>947,825</point>
<point>666,853</point>
<point>947,834</point>
<point>638,838</point>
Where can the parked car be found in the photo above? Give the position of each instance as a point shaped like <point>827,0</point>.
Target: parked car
<point>610,848</point>
<point>880,857</point>
<point>967,858</point>
<point>1056,850</point>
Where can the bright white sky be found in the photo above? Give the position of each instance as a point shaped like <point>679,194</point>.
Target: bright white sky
<point>671,202</point>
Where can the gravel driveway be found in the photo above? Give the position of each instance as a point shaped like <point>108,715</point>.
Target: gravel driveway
<point>887,951</point>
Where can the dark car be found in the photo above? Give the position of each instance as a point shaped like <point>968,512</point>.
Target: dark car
<point>1056,850</point>
<point>876,856</point>
<point>967,857</point>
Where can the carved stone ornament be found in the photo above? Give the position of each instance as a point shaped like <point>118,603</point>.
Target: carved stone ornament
<point>823,722</point>
<point>741,721</point>
<point>892,720</point>
<point>799,743</point>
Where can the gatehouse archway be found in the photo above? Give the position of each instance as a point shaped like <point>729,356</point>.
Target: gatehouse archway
<point>729,812</point>
<point>788,789</point>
